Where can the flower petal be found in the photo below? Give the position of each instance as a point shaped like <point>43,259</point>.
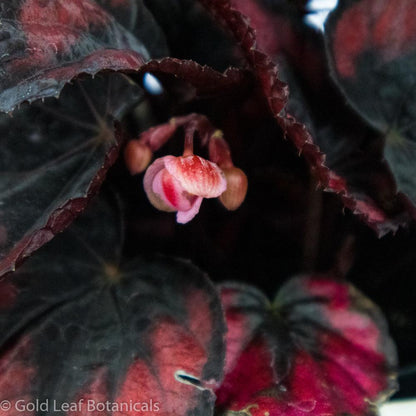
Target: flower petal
<point>155,199</point>
<point>197,176</point>
<point>171,191</point>
<point>182,217</point>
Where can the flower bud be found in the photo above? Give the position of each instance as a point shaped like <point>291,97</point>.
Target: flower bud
<point>236,191</point>
<point>137,156</point>
<point>219,151</point>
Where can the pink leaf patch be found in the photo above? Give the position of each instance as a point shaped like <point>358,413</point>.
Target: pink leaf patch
<point>320,348</point>
<point>47,43</point>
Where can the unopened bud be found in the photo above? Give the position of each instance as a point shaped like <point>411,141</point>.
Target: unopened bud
<point>219,151</point>
<point>236,191</point>
<point>137,156</point>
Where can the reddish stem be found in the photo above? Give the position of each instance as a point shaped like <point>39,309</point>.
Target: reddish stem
<point>188,148</point>
<point>209,136</point>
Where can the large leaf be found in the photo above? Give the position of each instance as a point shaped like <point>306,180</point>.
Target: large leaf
<point>367,190</point>
<point>353,156</point>
<point>372,49</point>
<point>320,348</point>
<point>44,44</point>
<point>84,327</point>
<point>54,155</point>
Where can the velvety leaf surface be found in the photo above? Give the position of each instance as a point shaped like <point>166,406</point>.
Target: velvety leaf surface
<point>354,157</point>
<point>135,16</point>
<point>82,326</point>
<point>44,44</point>
<point>54,155</point>
<point>365,184</point>
<point>372,49</point>
<point>198,37</point>
<point>280,32</point>
<point>275,91</point>
<point>352,151</point>
<point>321,348</point>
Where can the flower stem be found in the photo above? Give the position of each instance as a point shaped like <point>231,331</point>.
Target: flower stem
<point>188,148</point>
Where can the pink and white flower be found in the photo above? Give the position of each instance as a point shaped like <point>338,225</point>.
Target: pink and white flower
<point>181,183</point>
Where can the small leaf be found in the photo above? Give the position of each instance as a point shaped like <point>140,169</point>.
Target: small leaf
<point>320,348</point>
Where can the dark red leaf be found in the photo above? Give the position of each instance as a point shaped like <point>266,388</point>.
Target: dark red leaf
<point>145,336</point>
<point>54,156</point>
<point>8,294</point>
<point>95,391</point>
<point>275,91</point>
<point>204,80</point>
<point>197,38</point>
<point>320,348</point>
<point>385,213</point>
<point>372,49</point>
<point>280,32</point>
<point>354,156</point>
<point>44,44</point>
